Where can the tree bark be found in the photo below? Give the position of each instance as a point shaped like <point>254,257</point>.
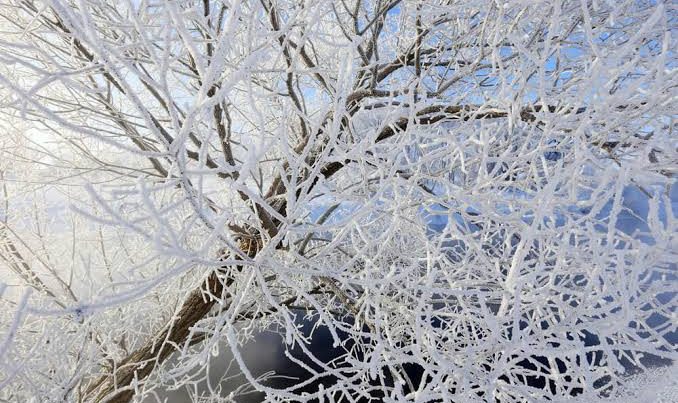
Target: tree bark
<point>118,386</point>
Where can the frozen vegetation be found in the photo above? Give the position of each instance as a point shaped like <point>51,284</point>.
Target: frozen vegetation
<point>338,201</point>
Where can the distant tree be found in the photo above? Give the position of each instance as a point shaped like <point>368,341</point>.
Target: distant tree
<point>442,185</point>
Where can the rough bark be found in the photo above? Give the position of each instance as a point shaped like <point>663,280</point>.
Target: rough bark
<point>117,387</point>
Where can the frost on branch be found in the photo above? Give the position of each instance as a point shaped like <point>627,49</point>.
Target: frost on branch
<point>475,200</point>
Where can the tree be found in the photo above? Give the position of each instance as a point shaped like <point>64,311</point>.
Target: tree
<point>443,185</point>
